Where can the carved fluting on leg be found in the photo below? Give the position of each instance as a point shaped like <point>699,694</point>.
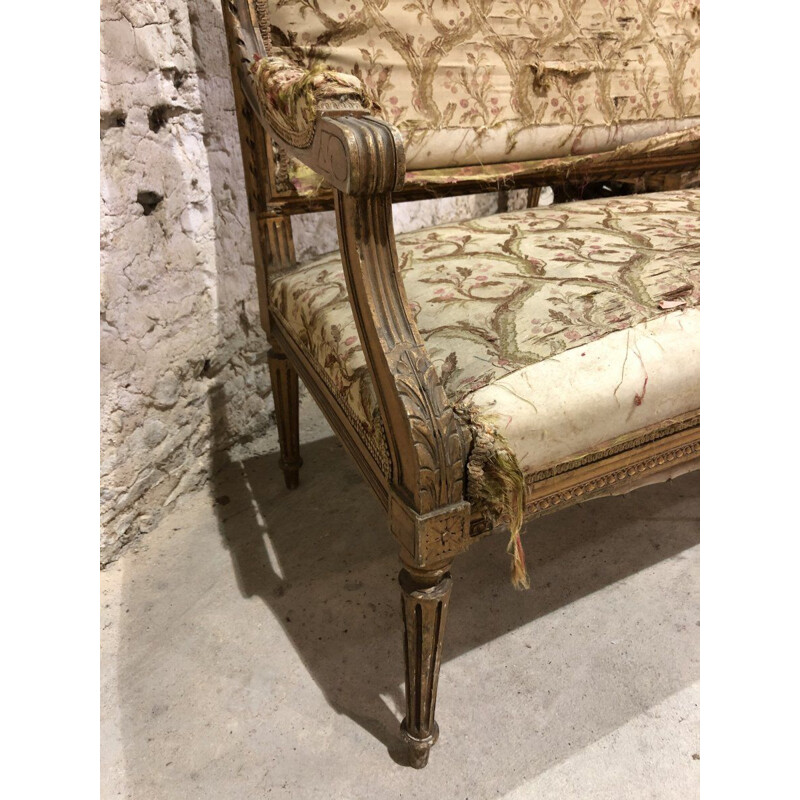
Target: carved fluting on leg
<point>285,394</point>
<point>534,195</point>
<point>425,597</point>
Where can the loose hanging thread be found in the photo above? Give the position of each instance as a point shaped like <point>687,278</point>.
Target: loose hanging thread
<point>496,487</point>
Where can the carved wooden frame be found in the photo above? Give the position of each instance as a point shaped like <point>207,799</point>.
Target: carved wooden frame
<point>421,477</point>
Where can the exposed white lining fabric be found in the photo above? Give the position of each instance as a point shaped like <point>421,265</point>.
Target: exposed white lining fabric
<point>569,404</point>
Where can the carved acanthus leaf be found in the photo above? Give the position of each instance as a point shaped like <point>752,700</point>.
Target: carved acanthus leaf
<point>424,437</point>
<point>434,429</point>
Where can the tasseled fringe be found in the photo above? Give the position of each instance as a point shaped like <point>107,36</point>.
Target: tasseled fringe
<point>497,488</point>
<point>519,572</point>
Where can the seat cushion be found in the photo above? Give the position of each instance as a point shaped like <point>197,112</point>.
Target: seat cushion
<point>562,330</point>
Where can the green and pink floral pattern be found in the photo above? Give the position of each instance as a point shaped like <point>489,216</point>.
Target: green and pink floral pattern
<point>494,295</point>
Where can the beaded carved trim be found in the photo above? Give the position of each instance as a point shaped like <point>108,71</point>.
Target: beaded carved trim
<point>587,487</point>
<point>691,421</point>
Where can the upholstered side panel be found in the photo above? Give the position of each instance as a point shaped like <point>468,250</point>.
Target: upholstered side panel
<point>489,81</point>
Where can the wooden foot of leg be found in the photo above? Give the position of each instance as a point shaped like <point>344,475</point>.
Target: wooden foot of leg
<point>425,599</point>
<point>285,393</point>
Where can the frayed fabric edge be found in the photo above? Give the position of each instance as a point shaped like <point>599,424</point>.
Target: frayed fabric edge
<point>496,486</point>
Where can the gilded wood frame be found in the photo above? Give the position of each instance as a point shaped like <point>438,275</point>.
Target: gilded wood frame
<point>420,480</point>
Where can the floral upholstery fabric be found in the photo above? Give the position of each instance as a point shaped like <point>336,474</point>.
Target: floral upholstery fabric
<point>532,300</point>
<point>493,81</point>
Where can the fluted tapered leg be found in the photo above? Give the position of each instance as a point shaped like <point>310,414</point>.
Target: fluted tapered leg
<point>285,394</point>
<point>425,597</point>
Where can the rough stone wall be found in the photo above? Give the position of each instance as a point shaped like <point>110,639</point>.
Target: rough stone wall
<point>182,369</point>
<point>183,358</point>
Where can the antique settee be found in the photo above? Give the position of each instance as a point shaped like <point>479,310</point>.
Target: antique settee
<point>484,372</point>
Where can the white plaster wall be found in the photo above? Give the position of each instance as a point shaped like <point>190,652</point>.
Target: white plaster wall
<point>183,369</point>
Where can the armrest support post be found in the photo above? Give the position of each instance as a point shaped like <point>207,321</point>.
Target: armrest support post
<point>363,159</point>
<point>425,441</point>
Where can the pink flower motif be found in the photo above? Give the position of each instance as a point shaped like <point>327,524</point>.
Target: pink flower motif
<point>393,101</point>
<point>554,101</point>
<point>350,340</point>
<point>481,278</point>
<point>464,103</point>
<point>439,291</point>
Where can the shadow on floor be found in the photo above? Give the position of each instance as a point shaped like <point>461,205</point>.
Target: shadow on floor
<point>321,559</point>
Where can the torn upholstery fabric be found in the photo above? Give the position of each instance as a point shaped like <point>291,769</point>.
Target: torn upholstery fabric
<point>291,96</point>
<point>307,183</point>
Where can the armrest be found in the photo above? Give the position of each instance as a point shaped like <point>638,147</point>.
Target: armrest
<point>427,444</point>
<point>300,108</point>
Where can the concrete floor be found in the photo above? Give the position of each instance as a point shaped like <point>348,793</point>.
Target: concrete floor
<point>251,647</point>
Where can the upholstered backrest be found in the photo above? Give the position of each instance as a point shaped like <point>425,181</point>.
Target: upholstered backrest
<point>492,81</point>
